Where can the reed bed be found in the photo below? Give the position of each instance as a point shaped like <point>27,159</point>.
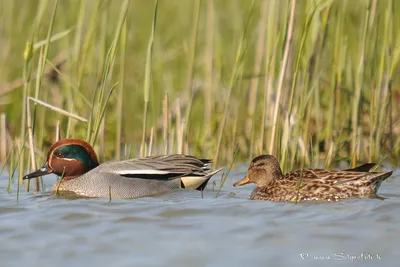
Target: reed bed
<point>313,82</point>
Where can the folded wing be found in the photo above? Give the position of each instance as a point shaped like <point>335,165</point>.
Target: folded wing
<point>166,167</point>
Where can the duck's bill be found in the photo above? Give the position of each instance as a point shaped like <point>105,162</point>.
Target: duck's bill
<point>244,181</point>
<point>44,170</point>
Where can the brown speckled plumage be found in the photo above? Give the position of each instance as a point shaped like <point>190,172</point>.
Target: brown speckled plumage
<point>317,185</point>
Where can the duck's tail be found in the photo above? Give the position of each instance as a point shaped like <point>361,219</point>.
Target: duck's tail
<point>377,180</point>
<point>197,182</point>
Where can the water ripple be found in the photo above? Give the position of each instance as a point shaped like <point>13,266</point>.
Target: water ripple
<point>190,229</point>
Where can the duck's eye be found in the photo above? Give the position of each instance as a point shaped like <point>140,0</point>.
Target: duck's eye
<point>59,154</point>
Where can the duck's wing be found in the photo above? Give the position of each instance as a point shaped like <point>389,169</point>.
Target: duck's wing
<point>362,168</point>
<point>193,172</point>
<point>332,177</point>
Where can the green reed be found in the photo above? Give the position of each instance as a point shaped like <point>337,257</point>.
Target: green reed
<point>312,82</point>
<point>147,79</point>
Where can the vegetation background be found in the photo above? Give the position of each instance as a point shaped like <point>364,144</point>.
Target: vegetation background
<point>313,82</point>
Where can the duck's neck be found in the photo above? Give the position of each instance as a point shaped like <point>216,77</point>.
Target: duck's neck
<point>267,182</point>
<point>70,177</point>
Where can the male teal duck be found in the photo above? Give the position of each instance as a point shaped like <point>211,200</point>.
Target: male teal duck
<point>317,185</point>
<point>75,161</point>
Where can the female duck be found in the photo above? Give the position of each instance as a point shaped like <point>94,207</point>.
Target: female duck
<point>76,162</point>
<point>310,184</point>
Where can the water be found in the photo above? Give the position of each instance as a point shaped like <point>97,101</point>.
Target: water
<point>182,229</point>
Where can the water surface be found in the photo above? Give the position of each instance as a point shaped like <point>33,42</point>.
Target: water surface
<point>184,229</point>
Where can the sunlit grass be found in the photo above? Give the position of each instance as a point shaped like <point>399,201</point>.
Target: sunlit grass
<point>312,82</point>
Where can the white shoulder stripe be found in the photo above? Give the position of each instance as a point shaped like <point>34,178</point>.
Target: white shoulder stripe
<point>148,171</point>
